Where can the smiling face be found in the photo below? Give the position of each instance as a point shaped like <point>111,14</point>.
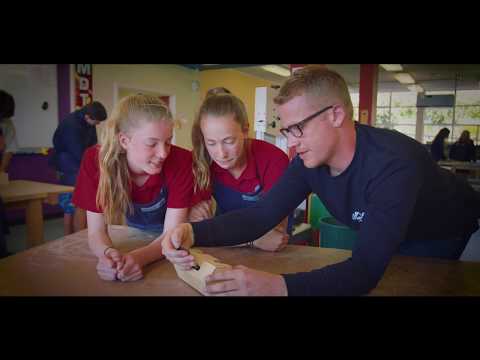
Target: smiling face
<point>317,144</point>
<point>147,146</point>
<point>225,141</point>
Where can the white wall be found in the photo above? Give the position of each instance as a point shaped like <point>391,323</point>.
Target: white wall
<point>172,80</point>
<point>31,85</point>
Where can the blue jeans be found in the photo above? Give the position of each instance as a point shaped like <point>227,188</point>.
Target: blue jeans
<point>65,202</point>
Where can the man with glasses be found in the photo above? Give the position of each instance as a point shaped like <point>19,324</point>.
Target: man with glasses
<point>379,182</point>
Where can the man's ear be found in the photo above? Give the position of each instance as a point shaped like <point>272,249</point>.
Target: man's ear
<point>339,115</point>
<point>123,140</point>
<point>89,120</point>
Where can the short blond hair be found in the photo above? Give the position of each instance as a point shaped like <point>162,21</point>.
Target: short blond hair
<point>316,81</point>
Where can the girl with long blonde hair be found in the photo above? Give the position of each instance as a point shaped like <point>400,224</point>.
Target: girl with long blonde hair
<point>231,168</point>
<point>135,174</point>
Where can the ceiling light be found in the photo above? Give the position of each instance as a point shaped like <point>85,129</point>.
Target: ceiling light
<point>392,67</point>
<point>404,78</point>
<point>416,88</point>
<point>277,70</point>
<point>440,92</point>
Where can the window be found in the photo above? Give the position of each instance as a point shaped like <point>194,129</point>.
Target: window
<point>398,111</point>
<point>355,102</point>
<point>467,114</point>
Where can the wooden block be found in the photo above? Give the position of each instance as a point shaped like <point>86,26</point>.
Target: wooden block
<point>3,178</point>
<point>196,278</point>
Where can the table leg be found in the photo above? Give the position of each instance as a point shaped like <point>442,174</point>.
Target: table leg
<point>34,221</point>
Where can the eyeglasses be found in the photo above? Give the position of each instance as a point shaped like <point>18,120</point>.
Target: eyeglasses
<point>297,129</point>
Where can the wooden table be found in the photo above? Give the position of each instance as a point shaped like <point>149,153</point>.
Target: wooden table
<point>30,195</point>
<point>461,165</point>
<point>66,267</point>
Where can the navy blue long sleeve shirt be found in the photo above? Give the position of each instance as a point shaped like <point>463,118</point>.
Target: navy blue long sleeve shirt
<point>74,135</point>
<point>462,151</point>
<point>437,150</point>
<point>391,191</point>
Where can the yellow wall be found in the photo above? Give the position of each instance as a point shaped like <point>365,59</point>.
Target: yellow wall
<point>176,81</point>
<point>172,80</point>
<point>239,84</point>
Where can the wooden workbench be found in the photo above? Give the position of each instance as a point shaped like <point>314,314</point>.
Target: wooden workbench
<point>453,166</point>
<point>66,267</point>
<point>30,195</point>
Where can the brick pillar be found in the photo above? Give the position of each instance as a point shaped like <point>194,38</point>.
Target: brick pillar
<point>368,93</point>
<point>63,90</point>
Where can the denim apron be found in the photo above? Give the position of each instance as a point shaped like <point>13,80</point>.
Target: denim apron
<point>150,217</point>
<point>229,199</point>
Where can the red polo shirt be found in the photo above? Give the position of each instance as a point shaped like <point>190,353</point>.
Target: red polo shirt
<point>265,164</point>
<point>176,175</point>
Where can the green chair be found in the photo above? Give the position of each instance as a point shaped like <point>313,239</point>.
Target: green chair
<point>316,211</point>
<point>331,233</point>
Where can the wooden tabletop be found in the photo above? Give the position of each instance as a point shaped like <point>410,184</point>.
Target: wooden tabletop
<point>19,190</point>
<point>66,267</point>
<point>466,165</point>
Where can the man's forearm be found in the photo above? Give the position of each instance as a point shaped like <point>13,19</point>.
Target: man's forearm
<point>244,225</point>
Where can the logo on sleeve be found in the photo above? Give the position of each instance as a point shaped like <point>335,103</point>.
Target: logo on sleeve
<point>358,216</point>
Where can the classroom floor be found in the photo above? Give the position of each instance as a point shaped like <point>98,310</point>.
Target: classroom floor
<point>16,241</point>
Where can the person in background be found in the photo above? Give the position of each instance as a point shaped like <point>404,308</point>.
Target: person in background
<point>463,149</point>
<point>135,173</point>
<point>72,137</point>
<point>379,182</point>
<point>9,138</point>
<point>4,230</point>
<point>438,145</point>
<point>231,168</point>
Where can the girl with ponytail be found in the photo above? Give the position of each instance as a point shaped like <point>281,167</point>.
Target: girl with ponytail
<point>135,176</point>
<point>231,168</point>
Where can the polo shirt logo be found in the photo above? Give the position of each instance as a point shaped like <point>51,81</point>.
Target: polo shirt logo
<point>254,196</point>
<point>358,216</point>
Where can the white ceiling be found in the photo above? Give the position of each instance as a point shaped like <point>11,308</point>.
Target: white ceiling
<point>432,77</point>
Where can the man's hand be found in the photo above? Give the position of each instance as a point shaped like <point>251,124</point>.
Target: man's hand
<point>129,269</point>
<point>274,240</point>
<point>243,281</point>
<point>203,210</point>
<point>179,237</point>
